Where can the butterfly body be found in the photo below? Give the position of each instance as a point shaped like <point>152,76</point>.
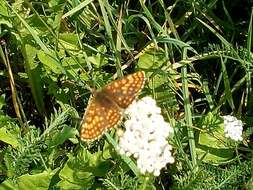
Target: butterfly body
<point>105,107</point>
<point>104,100</point>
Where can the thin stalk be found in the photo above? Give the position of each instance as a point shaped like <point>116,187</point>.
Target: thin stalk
<point>188,113</point>
<point>16,103</point>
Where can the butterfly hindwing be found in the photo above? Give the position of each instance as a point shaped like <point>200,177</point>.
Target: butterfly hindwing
<point>98,118</point>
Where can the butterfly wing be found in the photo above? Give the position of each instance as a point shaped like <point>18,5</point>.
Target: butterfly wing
<point>101,114</point>
<point>125,90</point>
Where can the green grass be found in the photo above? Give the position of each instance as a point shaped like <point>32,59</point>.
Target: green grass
<point>197,57</point>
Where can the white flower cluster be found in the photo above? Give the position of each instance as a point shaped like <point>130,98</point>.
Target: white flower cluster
<point>145,136</point>
<point>233,128</point>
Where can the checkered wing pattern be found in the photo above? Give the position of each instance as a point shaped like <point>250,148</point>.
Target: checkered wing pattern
<point>98,118</point>
<point>125,90</point>
<point>104,109</point>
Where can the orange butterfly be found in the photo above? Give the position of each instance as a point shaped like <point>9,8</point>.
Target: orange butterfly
<point>104,109</point>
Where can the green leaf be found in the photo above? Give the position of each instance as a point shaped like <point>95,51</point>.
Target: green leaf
<point>4,15</point>
<point>8,185</point>
<point>39,181</point>
<point>228,91</point>
<point>71,66</point>
<point>99,59</point>
<point>96,163</point>
<point>152,58</point>
<point>74,177</point>
<point>2,101</point>
<point>34,75</point>
<point>50,62</point>
<point>3,8</point>
<point>9,137</point>
<point>77,8</point>
<point>213,146</point>
<point>65,134</point>
<point>80,171</point>
<point>69,41</point>
<point>32,32</point>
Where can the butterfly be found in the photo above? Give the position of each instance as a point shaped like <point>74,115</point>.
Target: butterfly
<point>104,110</point>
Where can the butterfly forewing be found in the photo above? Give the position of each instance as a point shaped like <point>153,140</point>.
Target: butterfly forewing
<point>104,109</point>
<point>125,90</point>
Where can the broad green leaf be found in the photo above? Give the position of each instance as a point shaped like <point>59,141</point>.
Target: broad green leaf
<point>69,41</point>
<point>4,15</point>
<point>50,62</point>
<point>73,176</point>
<point>34,75</point>
<point>96,163</point>
<point>8,185</point>
<point>31,52</point>
<point>5,22</point>
<point>39,181</point>
<point>8,138</point>
<point>33,32</point>
<point>213,146</point>
<point>80,171</point>
<point>9,135</point>
<point>65,134</point>
<point>71,66</point>
<point>99,59</point>
<point>152,58</point>
<point>3,8</point>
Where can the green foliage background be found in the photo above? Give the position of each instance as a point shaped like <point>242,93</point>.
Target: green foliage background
<point>197,56</point>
